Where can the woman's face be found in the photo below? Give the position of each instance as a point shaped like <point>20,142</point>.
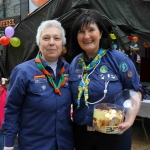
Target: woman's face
<point>51,44</point>
<point>89,39</point>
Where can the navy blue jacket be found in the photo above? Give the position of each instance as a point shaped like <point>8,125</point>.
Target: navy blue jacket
<point>39,116</point>
<point>121,75</point>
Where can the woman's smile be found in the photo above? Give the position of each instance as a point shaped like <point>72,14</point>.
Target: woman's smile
<point>89,39</point>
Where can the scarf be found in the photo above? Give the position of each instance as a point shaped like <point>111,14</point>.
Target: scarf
<point>83,85</point>
<point>49,76</point>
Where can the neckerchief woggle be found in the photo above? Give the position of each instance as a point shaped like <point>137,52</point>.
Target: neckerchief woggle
<point>49,76</point>
<point>83,85</point>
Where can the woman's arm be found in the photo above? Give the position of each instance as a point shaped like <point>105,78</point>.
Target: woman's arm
<point>131,113</point>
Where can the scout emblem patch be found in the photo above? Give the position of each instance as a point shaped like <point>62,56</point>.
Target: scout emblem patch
<point>79,61</point>
<point>129,74</point>
<point>123,67</point>
<point>103,69</point>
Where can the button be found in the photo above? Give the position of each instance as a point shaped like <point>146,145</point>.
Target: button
<point>87,116</point>
<point>58,111</point>
<point>57,122</point>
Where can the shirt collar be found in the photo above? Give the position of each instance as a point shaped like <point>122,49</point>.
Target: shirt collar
<point>45,63</point>
<point>87,60</point>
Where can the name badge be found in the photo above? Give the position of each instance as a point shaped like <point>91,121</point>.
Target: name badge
<point>40,79</point>
<point>78,70</point>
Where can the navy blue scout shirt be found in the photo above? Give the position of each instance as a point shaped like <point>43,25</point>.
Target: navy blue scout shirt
<point>114,67</point>
<point>41,117</point>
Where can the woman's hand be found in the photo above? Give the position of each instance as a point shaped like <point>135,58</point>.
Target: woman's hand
<point>124,126</point>
<point>131,113</point>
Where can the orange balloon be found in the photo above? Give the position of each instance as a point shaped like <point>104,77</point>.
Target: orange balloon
<point>145,45</point>
<point>135,38</point>
<point>39,3</point>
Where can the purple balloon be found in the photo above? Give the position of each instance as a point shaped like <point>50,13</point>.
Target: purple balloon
<point>9,31</point>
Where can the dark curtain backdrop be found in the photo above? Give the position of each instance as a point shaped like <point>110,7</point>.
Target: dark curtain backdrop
<point>127,16</point>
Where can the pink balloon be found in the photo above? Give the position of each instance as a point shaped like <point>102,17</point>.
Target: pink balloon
<point>9,31</point>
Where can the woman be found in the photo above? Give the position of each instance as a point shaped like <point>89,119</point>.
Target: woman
<point>98,74</point>
<point>39,98</point>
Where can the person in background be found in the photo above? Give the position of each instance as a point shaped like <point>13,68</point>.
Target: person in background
<point>121,49</point>
<point>39,97</point>
<point>133,52</point>
<point>3,93</point>
<point>98,73</point>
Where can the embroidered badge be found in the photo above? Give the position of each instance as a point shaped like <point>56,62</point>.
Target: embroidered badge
<point>79,76</point>
<point>79,61</point>
<point>43,87</point>
<point>102,76</point>
<point>40,76</point>
<point>108,75</point>
<point>123,67</point>
<point>129,74</point>
<point>113,77</point>
<point>40,79</point>
<point>66,75</point>
<point>78,70</point>
<point>103,69</point>
<point>66,83</point>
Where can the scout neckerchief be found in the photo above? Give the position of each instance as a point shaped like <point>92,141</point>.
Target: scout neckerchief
<point>83,85</point>
<point>49,76</point>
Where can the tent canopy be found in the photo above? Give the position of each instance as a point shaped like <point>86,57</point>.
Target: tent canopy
<point>126,17</point>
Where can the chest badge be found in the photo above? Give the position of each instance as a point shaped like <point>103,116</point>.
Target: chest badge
<point>78,71</point>
<point>102,76</point>
<point>43,87</point>
<point>103,69</point>
<point>79,61</point>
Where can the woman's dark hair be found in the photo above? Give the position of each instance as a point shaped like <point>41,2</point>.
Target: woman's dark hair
<point>86,18</point>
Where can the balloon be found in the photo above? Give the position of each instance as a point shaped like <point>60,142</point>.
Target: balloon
<point>135,38</point>
<point>112,36</point>
<point>14,41</point>
<point>130,38</point>
<point>9,31</point>
<point>4,40</point>
<point>0,40</point>
<point>145,45</point>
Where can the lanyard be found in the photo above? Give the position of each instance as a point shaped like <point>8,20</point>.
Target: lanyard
<point>105,92</point>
